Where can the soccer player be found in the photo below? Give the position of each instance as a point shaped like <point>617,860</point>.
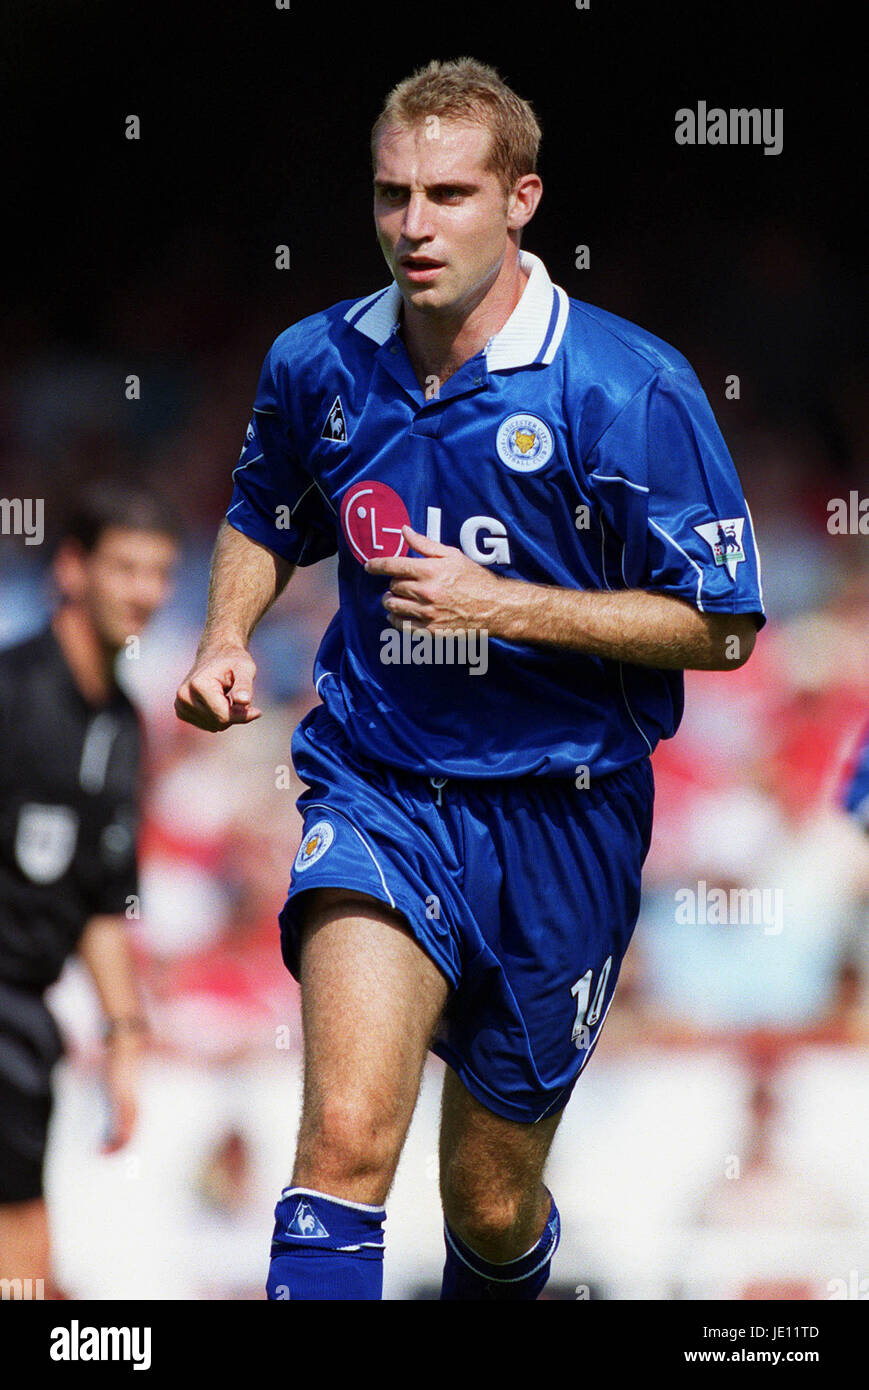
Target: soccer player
<point>69,780</point>
<point>538,528</point>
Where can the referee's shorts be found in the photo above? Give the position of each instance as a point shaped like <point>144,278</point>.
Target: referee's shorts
<point>524,892</point>
<point>30,1045</point>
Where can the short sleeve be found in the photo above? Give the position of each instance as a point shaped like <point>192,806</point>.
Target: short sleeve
<point>275,500</point>
<point>668,488</point>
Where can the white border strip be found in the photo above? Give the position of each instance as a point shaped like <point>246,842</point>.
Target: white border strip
<point>342,1201</point>
<point>560,325</point>
<point>614,478</point>
<point>691,562</point>
<point>493,1278</point>
<point>322,806</point>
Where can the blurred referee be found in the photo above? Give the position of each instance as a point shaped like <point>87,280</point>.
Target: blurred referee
<point>70,752</point>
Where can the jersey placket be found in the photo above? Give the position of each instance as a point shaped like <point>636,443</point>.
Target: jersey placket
<point>472,377</point>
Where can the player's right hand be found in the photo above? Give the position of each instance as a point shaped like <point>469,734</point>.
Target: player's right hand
<point>218,691</point>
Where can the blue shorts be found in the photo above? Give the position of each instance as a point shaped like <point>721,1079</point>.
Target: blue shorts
<point>524,892</point>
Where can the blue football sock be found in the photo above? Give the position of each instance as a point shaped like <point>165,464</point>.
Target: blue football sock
<point>325,1248</point>
<point>467,1276</point>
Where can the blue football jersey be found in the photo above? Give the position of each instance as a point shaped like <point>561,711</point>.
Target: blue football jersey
<point>574,450</point>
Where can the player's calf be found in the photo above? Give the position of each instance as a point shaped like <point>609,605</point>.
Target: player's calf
<point>501,1226</point>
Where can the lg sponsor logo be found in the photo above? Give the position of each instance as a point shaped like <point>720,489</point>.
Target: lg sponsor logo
<point>372,515</point>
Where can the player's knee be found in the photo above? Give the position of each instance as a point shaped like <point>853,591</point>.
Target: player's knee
<point>482,1215</point>
<point>352,1138</point>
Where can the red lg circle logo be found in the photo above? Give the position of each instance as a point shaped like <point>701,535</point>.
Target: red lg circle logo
<point>372,516</point>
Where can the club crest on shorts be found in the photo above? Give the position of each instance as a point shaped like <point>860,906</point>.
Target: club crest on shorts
<point>524,443</point>
<point>724,539</point>
<point>314,845</point>
<point>45,841</point>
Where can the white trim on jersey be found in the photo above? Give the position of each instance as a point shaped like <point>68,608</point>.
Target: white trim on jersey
<point>639,728</point>
<point>322,676</point>
<point>325,497</point>
<point>520,342</point>
<point>523,336</point>
<point>614,478</point>
<point>667,536</point>
<point>380,317</point>
<point>560,324</point>
<point>756,555</point>
<point>240,467</point>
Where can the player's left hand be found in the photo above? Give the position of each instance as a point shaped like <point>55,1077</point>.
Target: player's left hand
<point>122,1086</point>
<point>441,589</point>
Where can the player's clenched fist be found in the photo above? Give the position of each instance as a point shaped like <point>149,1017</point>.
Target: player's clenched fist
<point>218,691</point>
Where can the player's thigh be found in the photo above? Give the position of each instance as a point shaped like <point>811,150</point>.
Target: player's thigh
<point>371,998</point>
<point>486,1158</point>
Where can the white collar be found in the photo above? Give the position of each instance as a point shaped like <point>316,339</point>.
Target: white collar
<point>531,334</point>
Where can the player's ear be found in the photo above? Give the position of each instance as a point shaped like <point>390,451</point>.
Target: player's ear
<point>69,568</point>
<point>523,201</point>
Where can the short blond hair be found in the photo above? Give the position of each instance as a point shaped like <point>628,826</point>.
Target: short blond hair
<point>467,90</point>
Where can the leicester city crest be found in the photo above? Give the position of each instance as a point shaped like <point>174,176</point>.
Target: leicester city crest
<point>524,443</point>
<point>314,844</point>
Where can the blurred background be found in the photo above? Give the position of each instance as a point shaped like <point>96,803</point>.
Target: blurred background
<point>716,1145</point>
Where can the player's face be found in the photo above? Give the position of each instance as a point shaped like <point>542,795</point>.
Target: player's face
<point>122,582</point>
<point>442,217</point>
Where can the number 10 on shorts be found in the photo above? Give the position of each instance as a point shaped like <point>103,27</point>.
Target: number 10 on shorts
<point>587,1014</point>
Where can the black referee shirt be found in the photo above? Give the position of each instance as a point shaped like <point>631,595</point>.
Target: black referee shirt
<point>69,781</point>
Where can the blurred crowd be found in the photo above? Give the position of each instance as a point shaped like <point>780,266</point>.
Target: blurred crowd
<point>714,1147</point>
